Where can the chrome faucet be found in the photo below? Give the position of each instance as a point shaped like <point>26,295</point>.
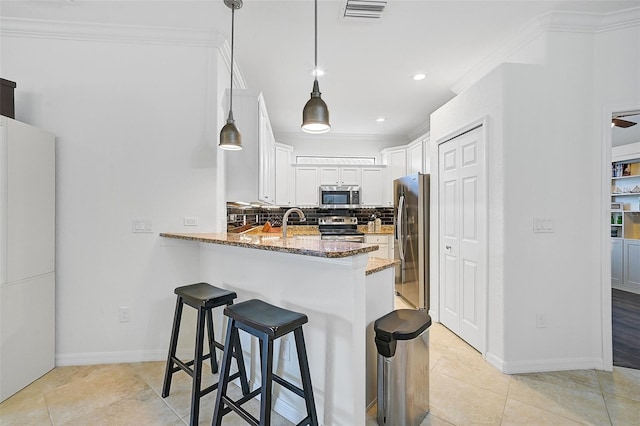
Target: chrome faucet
<point>285,218</point>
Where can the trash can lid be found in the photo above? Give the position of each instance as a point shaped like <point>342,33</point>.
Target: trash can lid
<point>402,324</point>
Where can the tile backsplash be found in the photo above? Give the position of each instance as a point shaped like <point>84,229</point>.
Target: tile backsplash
<point>237,216</point>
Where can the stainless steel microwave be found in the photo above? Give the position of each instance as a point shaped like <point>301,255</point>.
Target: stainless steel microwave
<point>339,197</point>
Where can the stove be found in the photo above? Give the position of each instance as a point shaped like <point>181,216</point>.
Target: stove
<point>340,228</point>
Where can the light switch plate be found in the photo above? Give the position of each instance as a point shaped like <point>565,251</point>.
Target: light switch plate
<point>542,225</point>
<point>141,225</point>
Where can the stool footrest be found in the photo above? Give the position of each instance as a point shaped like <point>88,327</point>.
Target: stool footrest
<point>237,406</point>
<point>293,388</point>
<point>305,422</point>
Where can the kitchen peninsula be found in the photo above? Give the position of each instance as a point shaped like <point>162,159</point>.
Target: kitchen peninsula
<point>334,284</point>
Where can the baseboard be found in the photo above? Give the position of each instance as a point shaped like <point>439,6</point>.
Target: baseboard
<point>95,358</point>
<point>628,288</point>
<point>539,366</point>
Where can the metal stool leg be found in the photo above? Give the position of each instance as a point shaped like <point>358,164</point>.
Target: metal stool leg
<point>305,376</point>
<point>197,369</point>
<point>168,372</point>
<point>267,380</point>
<point>212,347</point>
<point>223,380</point>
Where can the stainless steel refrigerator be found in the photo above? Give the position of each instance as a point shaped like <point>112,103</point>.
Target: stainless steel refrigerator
<point>411,242</point>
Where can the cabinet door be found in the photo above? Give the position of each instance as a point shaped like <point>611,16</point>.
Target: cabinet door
<point>414,157</point>
<point>350,176</point>
<point>372,189</point>
<point>383,245</point>
<point>266,152</point>
<point>631,265</point>
<point>396,168</point>
<point>329,176</point>
<point>284,177</point>
<point>616,262</point>
<point>307,186</point>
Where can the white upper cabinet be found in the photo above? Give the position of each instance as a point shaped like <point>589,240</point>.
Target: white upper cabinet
<point>307,183</point>
<point>250,173</point>
<point>266,148</point>
<point>396,161</point>
<point>415,158</point>
<point>372,190</point>
<point>284,184</point>
<point>340,176</point>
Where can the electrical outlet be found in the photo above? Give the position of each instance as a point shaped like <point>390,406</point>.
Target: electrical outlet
<point>541,320</point>
<point>125,314</point>
<point>190,221</point>
<point>542,225</point>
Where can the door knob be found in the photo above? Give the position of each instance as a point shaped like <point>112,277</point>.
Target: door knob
<point>447,247</point>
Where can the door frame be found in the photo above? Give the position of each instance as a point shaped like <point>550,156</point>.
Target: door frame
<point>434,257</point>
<point>605,236</point>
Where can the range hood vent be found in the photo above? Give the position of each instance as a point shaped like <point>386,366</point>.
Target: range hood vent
<point>364,10</point>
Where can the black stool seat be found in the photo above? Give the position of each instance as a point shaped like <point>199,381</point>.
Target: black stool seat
<point>267,323</point>
<point>266,318</point>
<point>203,297</point>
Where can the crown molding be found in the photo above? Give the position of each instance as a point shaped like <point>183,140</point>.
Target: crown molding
<point>560,21</point>
<point>238,79</point>
<point>288,137</point>
<point>421,130</point>
<point>84,31</point>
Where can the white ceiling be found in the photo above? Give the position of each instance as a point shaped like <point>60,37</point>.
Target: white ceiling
<point>369,65</point>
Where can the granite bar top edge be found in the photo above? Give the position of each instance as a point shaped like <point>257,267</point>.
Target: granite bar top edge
<point>314,248</point>
<point>377,264</point>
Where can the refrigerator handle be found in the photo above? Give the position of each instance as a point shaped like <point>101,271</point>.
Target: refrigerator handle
<point>399,236</point>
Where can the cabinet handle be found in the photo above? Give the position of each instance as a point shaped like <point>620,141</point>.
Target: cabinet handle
<point>447,247</point>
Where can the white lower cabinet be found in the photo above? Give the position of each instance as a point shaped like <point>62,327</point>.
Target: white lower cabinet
<point>625,264</point>
<point>632,265</point>
<point>384,242</point>
<point>617,271</point>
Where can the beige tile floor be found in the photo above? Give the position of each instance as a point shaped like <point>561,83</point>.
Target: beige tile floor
<point>464,390</point>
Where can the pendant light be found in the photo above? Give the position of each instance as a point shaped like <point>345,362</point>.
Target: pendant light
<point>230,138</point>
<point>315,115</point>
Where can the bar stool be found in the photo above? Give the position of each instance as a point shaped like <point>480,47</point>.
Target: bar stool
<point>267,323</point>
<point>203,297</point>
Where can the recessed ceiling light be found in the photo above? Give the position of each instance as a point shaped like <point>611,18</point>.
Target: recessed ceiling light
<point>381,119</point>
<point>418,77</point>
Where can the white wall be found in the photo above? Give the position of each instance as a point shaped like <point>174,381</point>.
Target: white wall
<point>545,160</point>
<point>136,122</point>
<point>332,145</point>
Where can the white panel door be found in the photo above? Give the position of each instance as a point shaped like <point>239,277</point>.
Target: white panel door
<point>462,236</point>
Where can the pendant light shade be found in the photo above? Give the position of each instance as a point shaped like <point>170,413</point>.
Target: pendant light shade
<point>315,115</point>
<point>230,138</point>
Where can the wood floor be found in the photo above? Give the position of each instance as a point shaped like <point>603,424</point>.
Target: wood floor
<point>626,328</point>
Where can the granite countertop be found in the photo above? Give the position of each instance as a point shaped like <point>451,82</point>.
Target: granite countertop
<point>313,230</point>
<point>274,242</point>
<point>377,264</point>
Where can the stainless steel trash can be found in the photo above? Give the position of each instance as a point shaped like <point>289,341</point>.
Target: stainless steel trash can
<point>402,340</point>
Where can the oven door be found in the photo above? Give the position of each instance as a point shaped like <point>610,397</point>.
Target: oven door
<point>349,238</point>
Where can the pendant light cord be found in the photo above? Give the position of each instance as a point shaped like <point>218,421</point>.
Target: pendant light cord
<point>233,11</point>
<point>315,23</point>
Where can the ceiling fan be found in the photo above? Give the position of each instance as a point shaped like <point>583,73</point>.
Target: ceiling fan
<point>619,122</point>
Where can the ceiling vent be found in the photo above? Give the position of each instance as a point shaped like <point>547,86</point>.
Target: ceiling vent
<point>364,10</point>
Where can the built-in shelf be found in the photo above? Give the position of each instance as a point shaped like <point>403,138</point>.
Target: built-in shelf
<point>624,177</point>
<point>622,194</point>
